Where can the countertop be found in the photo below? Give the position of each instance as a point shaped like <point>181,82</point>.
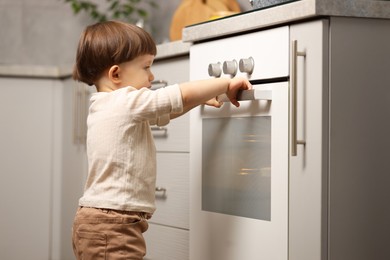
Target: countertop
<point>36,71</point>
<point>164,51</point>
<point>172,49</point>
<point>286,13</point>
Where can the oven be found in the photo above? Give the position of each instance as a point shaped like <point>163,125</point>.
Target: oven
<point>239,156</point>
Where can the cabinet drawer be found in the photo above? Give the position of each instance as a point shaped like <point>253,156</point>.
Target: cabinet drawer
<point>173,176</point>
<point>173,137</point>
<point>173,70</point>
<point>269,50</point>
<point>166,243</point>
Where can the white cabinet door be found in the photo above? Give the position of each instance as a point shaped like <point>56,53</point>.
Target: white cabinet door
<point>172,195</point>
<point>168,234</point>
<point>359,149</point>
<point>308,169</point>
<point>166,243</point>
<point>173,137</point>
<point>42,171</point>
<point>69,163</point>
<point>25,169</point>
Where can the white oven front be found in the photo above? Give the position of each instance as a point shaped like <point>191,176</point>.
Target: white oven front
<point>239,156</point>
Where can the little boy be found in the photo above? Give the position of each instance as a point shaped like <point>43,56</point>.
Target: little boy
<point>119,192</point>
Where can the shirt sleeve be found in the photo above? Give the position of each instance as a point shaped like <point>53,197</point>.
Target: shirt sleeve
<point>175,99</point>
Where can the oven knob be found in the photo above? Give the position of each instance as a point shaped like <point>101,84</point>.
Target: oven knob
<point>215,69</point>
<point>230,67</point>
<point>247,65</point>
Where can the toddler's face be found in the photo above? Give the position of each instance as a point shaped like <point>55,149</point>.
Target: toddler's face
<point>137,73</point>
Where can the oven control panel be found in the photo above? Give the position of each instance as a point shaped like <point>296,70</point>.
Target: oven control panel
<point>230,67</point>
<point>256,56</point>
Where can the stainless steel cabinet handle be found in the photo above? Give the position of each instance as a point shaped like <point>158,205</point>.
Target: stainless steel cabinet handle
<point>159,128</point>
<point>162,192</point>
<point>156,84</point>
<point>76,114</point>
<point>159,131</point>
<point>80,112</point>
<point>161,189</point>
<point>294,60</point>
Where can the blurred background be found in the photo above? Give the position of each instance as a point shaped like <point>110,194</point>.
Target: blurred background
<point>45,32</point>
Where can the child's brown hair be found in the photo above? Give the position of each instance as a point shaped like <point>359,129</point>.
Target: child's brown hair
<point>105,44</point>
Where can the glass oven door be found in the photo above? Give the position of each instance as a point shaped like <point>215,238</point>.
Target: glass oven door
<point>239,178</point>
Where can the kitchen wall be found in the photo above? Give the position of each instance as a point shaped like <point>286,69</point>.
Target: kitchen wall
<point>45,32</point>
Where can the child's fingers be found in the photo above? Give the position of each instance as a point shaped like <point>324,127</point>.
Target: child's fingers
<point>214,102</point>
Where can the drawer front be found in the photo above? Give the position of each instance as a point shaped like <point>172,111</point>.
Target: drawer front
<point>269,50</point>
<point>173,70</point>
<point>173,197</point>
<point>166,243</point>
<point>174,136</point>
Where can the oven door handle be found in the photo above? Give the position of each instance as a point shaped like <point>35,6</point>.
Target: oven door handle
<point>251,94</point>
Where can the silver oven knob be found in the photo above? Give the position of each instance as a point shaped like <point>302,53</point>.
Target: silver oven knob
<point>247,65</point>
<point>230,67</point>
<point>215,69</point>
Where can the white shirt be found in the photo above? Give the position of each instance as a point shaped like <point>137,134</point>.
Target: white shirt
<point>120,146</point>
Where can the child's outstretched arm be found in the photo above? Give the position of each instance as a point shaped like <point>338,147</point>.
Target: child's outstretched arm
<point>198,92</point>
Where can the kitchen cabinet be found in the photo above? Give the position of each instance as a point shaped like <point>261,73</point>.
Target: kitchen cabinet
<point>338,166</point>
<point>308,186</point>
<point>42,168</point>
<point>168,235</point>
<point>339,178</point>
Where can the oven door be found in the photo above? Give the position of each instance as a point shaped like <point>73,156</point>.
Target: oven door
<point>239,178</point>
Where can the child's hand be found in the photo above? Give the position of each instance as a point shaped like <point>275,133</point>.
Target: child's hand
<point>214,102</point>
<point>237,84</point>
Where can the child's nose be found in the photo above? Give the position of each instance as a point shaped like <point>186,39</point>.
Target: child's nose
<point>151,76</point>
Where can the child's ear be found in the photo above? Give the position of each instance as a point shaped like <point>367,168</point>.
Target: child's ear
<point>114,74</point>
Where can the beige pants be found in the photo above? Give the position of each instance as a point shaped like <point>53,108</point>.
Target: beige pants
<point>109,234</point>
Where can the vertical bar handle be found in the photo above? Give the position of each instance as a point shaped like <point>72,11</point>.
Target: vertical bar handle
<point>80,112</point>
<point>294,63</point>
<point>76,114</point>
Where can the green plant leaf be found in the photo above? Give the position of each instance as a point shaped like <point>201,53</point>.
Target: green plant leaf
<point>76,7</point>
<point>142,13</point>
<point>129,10</point>
<point>114,5</point>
